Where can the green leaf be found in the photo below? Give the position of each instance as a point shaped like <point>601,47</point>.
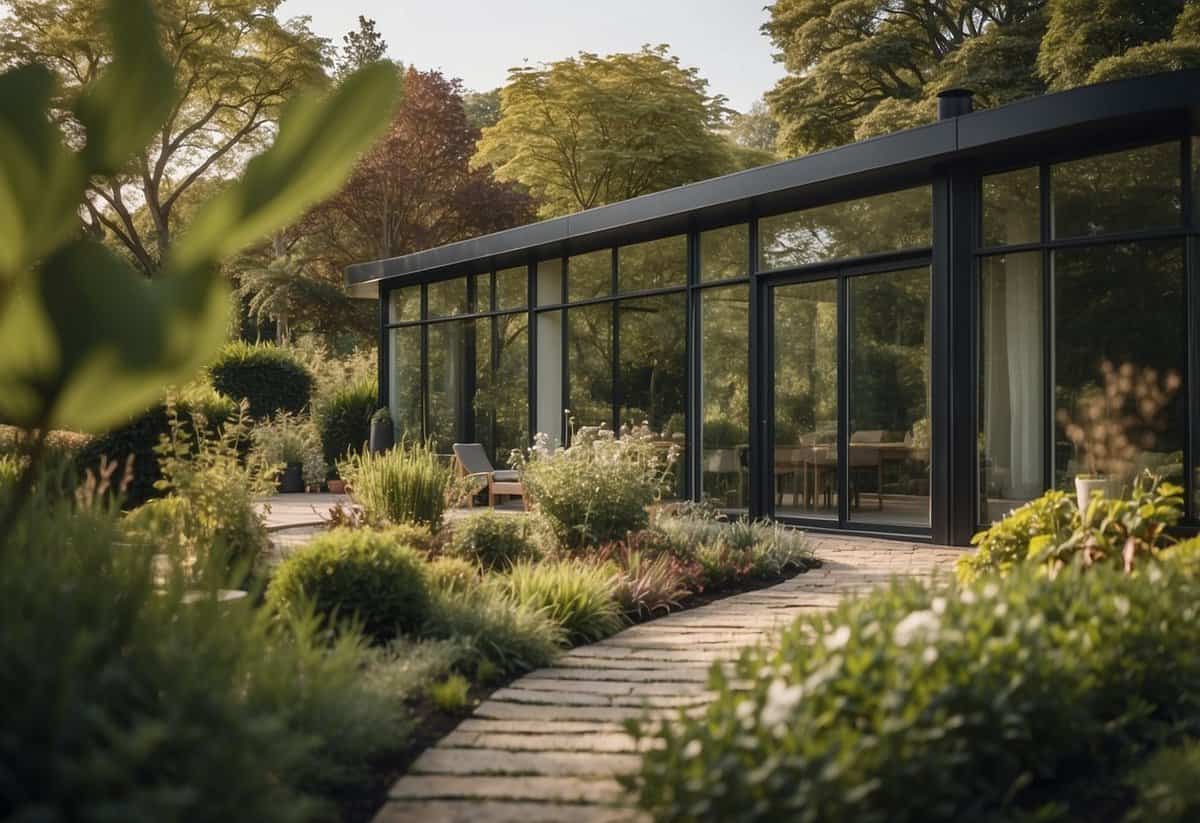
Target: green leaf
<point>124,108</point>
<point>318,144</point>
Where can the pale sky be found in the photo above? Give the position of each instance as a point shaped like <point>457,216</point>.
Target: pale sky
<point>478,40</point>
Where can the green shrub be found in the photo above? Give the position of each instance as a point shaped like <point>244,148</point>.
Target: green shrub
<point>1009,700</point>
<point>597,489</point>
<point>650,583</point>
<point>362,574</point>
<point>269,377</point>
<point>579,596</point>
<point>1051,518</point>
<point>451,694</point>
<point>452,575</point>
<point>286,440</point>
<point>1168,786</point>
<point>121,701</point>
<point>491,540</point>
<point>503,634</point>
<point>344,419</point>
<point>137,441</point>
<point>776,549</point>
<point>407,484</point>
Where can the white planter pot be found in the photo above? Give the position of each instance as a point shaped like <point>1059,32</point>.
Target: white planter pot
<point>1084,486</point>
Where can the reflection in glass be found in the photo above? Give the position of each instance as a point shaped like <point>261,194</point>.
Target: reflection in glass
<point>404,304</point>
<point>653,265</point>
<point>805,453</point>
<point>653,370</point>
<point>886,222</point>
<point>404,382</point>
<point>590,275</point>
<point>724,253</point>
<point>725,395</point>
<point>589,364</point>
<point>1011,410</point>
<point>1119,360</point>
<point>1196,181</point>
<point>889,398</point>
<point>483,405</point>
<point>1122,191</point>
<point>511,287</point>
<point>450,359</point>
<point>1012,207</point>
<point>549,417</point>
<point>502,385</point>
<point>447,297</point>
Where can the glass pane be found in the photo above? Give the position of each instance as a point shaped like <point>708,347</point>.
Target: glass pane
<point>589,366</point>
<point>1012,208</point>
<point>549,282</point>
<point>1122,191</point>
<point>1196,181</point>
<point>889,398</point>
<point>885,222</point>
<point>653,370</point>
<point>447,297</point>
<point>590,275</point>
<point>725,396</point>
<point>404,382</point>
<point>511,287</point>
<point>404,304</point>
<point>725,253</point>
<point>653,265</point>
<point>1011,403</point>
<point>549,375</point>
<point>511,387</point>
<point>450,360</point>
<point>806,408</point>
<point>1120,345</point>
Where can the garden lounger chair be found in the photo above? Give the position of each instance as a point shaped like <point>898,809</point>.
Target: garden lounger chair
<point>471,460</point>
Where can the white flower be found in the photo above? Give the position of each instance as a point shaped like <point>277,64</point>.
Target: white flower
<point>692,749</point>
<point>930,655</point>
<point>1001,609</point>
<point>967,596</point>
<point>914,627</point>
<point>838,639</point>
<point>990,590</point>
<point>781,700</point>
<point>1122,605</point>
<point>938,605</point>
<point>745,710</point>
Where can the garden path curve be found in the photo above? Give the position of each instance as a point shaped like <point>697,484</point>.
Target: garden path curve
<point>549,746</point>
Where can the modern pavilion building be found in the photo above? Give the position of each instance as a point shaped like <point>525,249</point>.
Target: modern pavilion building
<point>905,336</point>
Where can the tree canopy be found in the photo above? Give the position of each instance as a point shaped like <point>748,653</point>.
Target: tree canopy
<point>858,68</point>
<point>591,130</point>
<point>235,65</point>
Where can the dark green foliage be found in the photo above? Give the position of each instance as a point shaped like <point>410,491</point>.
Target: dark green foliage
<point>344,419</point>
<point>266,375</point>
<point>1168,787</point>
<point>491,540</point>
<point>119,701</point>
<point>505,636</point>
<point>1015,697</point>
<point>139,438</point>
<point>361,574</point>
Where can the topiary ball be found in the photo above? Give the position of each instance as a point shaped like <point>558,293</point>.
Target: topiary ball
<point>360,573</point>
<point>267,376</point>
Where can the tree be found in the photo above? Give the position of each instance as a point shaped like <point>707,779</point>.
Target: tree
<point>756,129</point>
<point>235,64</point>
<point>590,130</point>
<point>483,108</point>
<point>361,47</point>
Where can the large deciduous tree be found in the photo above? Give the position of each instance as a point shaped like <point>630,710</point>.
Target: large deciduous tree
<point>591,130</point>
<point>858,68</point>
<point>235,64</point>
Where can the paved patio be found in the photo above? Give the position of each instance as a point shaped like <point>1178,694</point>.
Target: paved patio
<point>549,746</point>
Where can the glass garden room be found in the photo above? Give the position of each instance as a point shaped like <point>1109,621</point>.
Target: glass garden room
<point>907,336</point>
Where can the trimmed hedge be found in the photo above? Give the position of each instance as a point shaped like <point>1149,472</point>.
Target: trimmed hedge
<point>270,378</point>
<point>361,574</point>
<point>1026,698</point>
<point>344,420</point>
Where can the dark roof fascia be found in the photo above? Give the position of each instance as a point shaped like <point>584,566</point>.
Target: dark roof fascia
<point>896,158</point>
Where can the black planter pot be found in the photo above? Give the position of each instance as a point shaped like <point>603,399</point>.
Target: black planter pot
<point>383,436</point>
<point>291,479</point>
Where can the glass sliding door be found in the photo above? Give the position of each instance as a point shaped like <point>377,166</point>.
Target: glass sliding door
<point>888,376</point>
<point>805,452</point>
<point>850,399</point>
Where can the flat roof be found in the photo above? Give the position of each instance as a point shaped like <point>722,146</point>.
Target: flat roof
<point>1119,109</point>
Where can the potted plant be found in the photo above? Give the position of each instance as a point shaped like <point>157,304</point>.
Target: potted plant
<point>383,433</point>
<point>336,485</point>
<point>291,444</point>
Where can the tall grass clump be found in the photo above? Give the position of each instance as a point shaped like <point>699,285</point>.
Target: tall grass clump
<point>510,638</point>
<point>407,484</point>
<point>579,596</point>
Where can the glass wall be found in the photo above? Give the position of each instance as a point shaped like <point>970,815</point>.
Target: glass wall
<point>590,364</point>
<point>658,264</point>
<point>589,275</point>
<point>725,396</point>
<point>1102,303</point>
<point>725,253</point>
<point>404,385</point>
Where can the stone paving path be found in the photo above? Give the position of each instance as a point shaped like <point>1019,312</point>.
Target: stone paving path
<point>549,746</point>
